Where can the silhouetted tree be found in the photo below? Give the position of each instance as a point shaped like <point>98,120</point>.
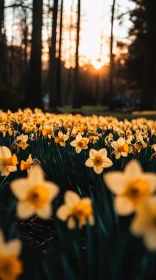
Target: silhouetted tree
<point>76,93</point>
<point>3,54</point>
<point>34,93</point>
<point>53,64</point>
<point>135,58</point>
<point>150,57</point>
<point>59,72</point>
<point>111,74</point>
<point>69,87</point>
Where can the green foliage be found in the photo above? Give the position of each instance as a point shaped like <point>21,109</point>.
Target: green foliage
<point>50,250</point>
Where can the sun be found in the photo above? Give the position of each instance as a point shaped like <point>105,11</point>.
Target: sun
<point>97,64</point>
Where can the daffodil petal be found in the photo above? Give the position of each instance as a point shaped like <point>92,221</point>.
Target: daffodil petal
<point>13,248</point>
<point>121,141</point>
<point>138,226</point>
<point>63,212</point>
<point>114,145</point>
<point>53,189</point>
<point>71,198</point>
<point>36,175</point>
<point>151,178</point>
<point>103,153</point>
<point>71,223</point>
<point>78,149</point>
<point>2,239</point>
<point>133,169</point>
<point>78,137</point>
<point>150,240</point>
<point>115,181</point>
<point>123,206</point>
<point>73,143</point>
<point>20,188</point>
<point>117,155</point>
<point>92,153</point>
<point>89,162</point>
<point>98,169</point>
<point>25,210</point>
<point>45,212</point>
<point>107,163</point>
<point>5,152</point>
<point>124,154</point>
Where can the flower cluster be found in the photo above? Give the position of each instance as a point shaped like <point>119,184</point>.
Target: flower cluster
<point>134,192</point>
<point>103,147</point>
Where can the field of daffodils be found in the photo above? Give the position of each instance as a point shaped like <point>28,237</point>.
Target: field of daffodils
<point>77,197</point>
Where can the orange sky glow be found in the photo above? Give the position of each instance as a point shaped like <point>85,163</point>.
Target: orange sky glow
<point>94,35</point>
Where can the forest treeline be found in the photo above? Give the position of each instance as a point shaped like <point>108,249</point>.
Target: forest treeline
<point>24,83</point>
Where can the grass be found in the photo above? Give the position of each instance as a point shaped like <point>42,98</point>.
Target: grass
<point>103,111</point>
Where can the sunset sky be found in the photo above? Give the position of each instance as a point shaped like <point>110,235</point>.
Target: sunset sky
<point>95,29</point>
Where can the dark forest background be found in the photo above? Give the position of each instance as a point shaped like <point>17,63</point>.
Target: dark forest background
<point>127,82</point>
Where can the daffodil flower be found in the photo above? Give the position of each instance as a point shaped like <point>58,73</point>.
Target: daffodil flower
<point>154,147</point>
<point>48,130</point>
<point>8,161</point>
<point>61,138</point>
<point>75,207</point>
<point>26,165</point>
<point>98,160</point>
<point>21,140</point>
<point>144,223</point>
<point>10,265</point>
<point>131,187</point>
<point>121,148</point>
<point>80,143</point>
<point>34,194</point>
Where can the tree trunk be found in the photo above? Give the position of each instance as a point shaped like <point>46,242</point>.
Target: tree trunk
<point>69,85</point>
<point>150,57</point>
<point>111,71</point>
<point>59,72</point>
<point>76,93</point>
<point>53,64</point>
<point>25,39</point>
<point>3,51</point>
<point>34,92</point>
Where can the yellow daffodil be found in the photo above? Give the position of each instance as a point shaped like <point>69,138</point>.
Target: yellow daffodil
<point>34,194</point>
<point>8,161</point>
<point>108,139</point>
<point>10,265</point>
<point>75,208</point>
<point>131,187</point>
<point>154,147</point>
<point>61,138</point>
<point>80,143</point>
<point>98,160</point>
<point>140,144</point>
<point>21,140</point>
<point>93,138</point>
<point>26,165</point>
<point>48,130</point>
<point>121,148</point>
<point>144,223</point>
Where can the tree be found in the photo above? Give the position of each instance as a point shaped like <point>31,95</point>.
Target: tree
<point>141,60</point>
<point>134,61</point>
<point>111,72</point>
<point>150,57</point>
<point>3,54</point>
<point>53,65</point>
<point>59,72</point>
<point>34,92</point>
<point>76,94</point>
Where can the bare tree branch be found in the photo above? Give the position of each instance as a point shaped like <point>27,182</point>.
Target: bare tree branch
<point>18,5</point>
